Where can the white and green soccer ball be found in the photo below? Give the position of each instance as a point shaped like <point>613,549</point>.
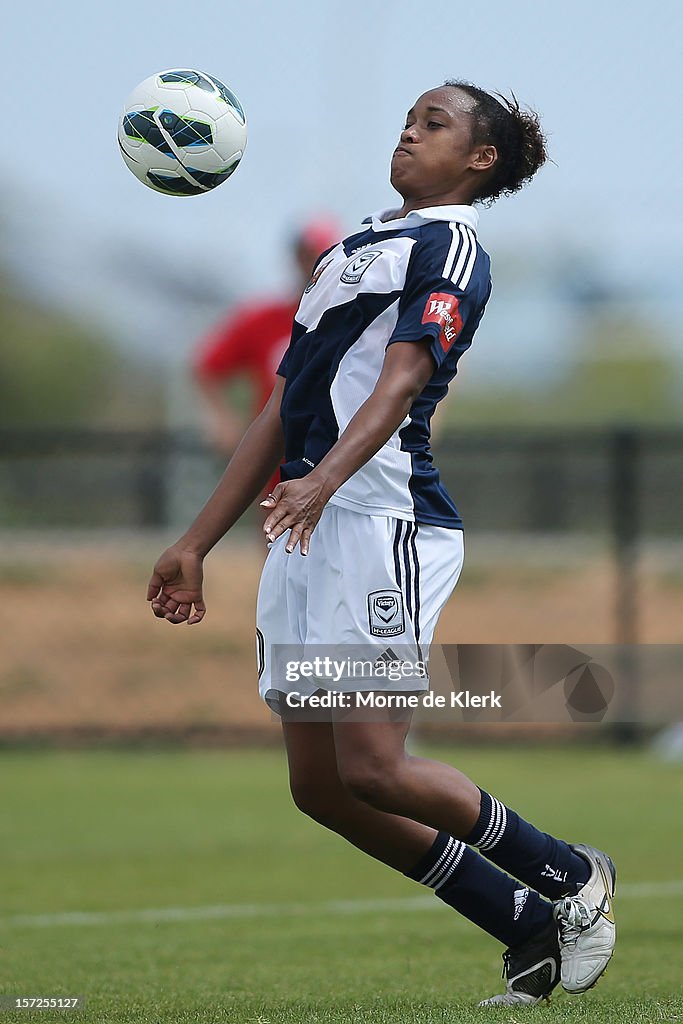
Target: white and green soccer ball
<point>182,132</point>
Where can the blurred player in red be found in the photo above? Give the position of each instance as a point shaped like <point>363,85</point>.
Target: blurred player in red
<point>251,341</point>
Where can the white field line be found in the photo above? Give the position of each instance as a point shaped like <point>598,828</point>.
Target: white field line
<point>158,915</point>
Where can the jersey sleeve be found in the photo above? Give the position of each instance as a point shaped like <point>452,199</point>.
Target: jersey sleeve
<point>444,295</point>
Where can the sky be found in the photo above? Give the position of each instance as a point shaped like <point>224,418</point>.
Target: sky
<point>326,87</point>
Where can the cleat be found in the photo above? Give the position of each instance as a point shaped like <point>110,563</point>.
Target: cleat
<point>586,923</point>
<point>532,970</point>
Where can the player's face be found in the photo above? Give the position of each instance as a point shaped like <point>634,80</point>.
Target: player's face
<point>435,157</point>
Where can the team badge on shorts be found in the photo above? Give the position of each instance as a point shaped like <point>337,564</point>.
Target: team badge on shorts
<point>385,612</point>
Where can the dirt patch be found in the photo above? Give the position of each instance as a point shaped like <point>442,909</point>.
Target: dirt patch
<point>81,650</point>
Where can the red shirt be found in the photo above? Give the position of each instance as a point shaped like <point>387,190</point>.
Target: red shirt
<point>251,341</point>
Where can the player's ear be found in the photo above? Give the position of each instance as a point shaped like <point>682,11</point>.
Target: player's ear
<point>483,158</point>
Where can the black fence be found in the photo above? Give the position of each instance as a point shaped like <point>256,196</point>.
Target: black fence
<point>620,484</point>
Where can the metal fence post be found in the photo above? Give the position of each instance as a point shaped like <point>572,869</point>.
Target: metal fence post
<point>151,480</point>
<point>626,531</point>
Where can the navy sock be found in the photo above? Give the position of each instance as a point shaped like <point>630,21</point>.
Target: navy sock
<point>541,861</point>
<point>481,892</point>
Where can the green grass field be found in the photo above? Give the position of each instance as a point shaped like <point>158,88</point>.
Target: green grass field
<point>255,914</point>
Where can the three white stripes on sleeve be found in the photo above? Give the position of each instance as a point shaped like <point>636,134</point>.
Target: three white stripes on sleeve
<point>461,255</point>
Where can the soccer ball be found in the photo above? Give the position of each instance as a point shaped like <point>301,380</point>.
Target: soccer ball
<point>182,132</point>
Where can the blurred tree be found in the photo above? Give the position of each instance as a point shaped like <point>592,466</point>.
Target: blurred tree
<point>623,371</point>
<point>54,371</point>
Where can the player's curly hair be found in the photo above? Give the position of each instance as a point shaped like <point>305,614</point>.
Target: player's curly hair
<point>516,134</point>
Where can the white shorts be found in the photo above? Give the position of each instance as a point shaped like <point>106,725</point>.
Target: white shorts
<point>368,584</point>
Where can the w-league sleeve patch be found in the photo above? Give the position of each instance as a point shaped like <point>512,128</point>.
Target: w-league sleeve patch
<point>385,613</point>
<point>442,309</point>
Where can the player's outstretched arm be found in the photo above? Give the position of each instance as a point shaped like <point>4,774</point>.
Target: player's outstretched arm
<point>175,587</point>
<point>297,504</point>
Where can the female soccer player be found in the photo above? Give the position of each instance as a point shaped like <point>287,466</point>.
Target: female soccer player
<point>375,342</point>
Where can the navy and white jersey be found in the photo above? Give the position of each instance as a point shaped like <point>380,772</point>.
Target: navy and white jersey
<point>420,277</point>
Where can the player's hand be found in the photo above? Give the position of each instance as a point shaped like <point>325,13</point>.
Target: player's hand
<point>175,587</point>
<point>296,506</point>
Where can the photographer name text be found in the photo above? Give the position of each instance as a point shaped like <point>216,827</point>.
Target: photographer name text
<point>399,701</point>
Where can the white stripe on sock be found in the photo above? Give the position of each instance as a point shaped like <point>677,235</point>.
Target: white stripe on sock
<point>445,870</point>
<point>498,830</point>
<point>491,825</point>
<point>444,878</point>
<point>436,867</point>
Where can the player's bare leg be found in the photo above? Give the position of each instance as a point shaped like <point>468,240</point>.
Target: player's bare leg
<point>374,765</point>
<point>458,875</point>
<point>318,791</point>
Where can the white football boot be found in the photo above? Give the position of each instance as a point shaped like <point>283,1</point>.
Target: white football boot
<point>531,970</point>
<point>586,923</point>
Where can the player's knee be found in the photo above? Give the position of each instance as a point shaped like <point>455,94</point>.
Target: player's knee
<point>314,799</point>
<point>371,781</point>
